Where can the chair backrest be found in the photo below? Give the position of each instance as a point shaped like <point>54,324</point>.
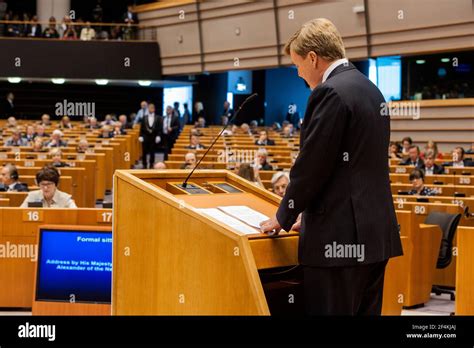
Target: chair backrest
<point>448,224</point>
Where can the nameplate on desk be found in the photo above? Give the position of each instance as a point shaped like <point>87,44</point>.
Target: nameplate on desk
<point>81,157</point>
<point>29,163</point>
<point>3,155</point>
<point>42,156</point>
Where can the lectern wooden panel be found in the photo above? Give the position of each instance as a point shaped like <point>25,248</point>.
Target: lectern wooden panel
<point>171,259</point>
<point>465,272</point>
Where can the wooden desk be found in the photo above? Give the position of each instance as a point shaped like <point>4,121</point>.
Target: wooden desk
<point>19,227</point>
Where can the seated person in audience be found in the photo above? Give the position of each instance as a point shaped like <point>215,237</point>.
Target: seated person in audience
<point>280,181</point>
<point>195,143</point>
<point>393,150</point>
<point>429,166</point>
<point>87,33</point>
<point>50,32</point>
<point>245,129</point>
<point>9,179</point>
<point>30,134</point>
<point>224,120</point>
<point>276,127</point>
<point>471,150</point>
<point>56,139</point>
<point>56,155</point>
<point>228,112</point>
<point>159,165</point>
<point>263,140</point>
<point>417,179</point>
<point>106,132</point>
<point>124,124</point>
<point>70,33</point>
<point>287,134</point>
<point>406,143</point>
<point>196,131</point>
<point>413,157</point>
<point>82,146</point>
<point>253,127</point>
<point>45,120</point>
<point>40,133</point>
<point>16,139</point>
<point>189,161</point>
<point>38,145</point>
<point>431,145</point>
<point>201,123</point>
<point>109,121</point>
<point>93,124</point>
<point>48,194</point>
<point>246,171</point>
<point>65,123</point>
<point>261,160</point>
<point>118,130</point>
<point>11,122</point>
<point>459,160</point>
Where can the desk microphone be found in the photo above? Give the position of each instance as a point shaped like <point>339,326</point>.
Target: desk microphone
<point>253,96</point>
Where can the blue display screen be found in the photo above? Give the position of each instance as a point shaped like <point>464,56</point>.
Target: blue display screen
<point>74,266</point>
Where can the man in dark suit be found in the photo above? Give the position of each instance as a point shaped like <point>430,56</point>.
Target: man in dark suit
<point>33,29</point>
<point>459,161</point>
<point>9,179</point>
<point>151,131</point>
<point>413,157</point>
<point>7,108</point>
<point>263,139</point>
<point>170,130</point>
<point>429,166</point>
<point>339,181</point>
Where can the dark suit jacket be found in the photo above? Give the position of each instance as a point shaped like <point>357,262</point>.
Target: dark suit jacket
<point>340,179</point>
<point>175,125</point>
<point>269,142</point>
<point>467,163</point>
<point>18,187</point>
<point>437,169</point>
<point>407,162</point>
<point>150,133</point>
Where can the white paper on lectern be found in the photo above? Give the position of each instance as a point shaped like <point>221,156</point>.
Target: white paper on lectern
<point>243,213</point>
<point>228,220</point>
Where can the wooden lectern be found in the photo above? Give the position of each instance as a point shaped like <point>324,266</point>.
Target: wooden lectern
<point>171,259</point>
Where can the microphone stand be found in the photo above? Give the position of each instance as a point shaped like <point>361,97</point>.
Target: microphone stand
<point>185,182</point>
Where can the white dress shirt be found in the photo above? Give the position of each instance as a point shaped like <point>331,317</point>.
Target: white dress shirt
<point>333,66</point>
<point>151,119</point>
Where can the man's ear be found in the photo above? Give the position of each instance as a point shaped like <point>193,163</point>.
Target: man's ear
<point>313,58</point>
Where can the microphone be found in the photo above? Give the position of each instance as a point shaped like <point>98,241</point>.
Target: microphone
<point>249,98</point>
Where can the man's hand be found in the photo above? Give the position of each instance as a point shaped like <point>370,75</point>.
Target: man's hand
<point>297,225</point>
<point>272,226</point>
<point>140,139</point>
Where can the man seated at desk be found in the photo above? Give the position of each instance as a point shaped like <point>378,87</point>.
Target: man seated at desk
<point>9,179</point>
<point>16,139</point>
<point>56,139</point>
<point>262,163</point>
<point>263,140</point>
<point>189,161</point>
<point>429,166</point>
<point>195,143</point>
<point>48,194</point>
<point>56,155</point>
<point>459,161</point>
<point>417,179</point>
